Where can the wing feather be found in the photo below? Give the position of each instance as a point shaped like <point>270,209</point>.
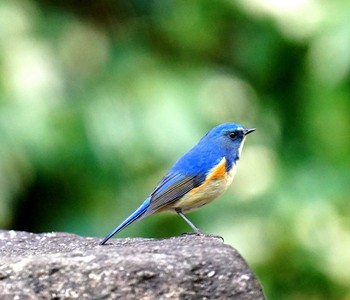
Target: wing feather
<point>171,188</point>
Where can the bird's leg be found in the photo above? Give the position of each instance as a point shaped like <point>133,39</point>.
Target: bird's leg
<point>196,229</point>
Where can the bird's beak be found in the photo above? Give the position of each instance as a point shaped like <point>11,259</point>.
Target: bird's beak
<point>248,130</point>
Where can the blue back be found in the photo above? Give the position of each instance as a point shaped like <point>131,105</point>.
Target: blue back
<point>210,150</point>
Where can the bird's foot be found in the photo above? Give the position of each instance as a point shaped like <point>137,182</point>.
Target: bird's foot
<point>190,233</point>
<point>199,233</point>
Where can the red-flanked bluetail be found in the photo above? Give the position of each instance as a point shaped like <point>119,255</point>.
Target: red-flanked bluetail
<point>197,178</point>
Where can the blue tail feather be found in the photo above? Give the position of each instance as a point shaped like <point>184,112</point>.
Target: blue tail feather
<point>133,217</point>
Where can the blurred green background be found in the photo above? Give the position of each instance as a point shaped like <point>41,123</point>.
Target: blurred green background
<point>99,98</point>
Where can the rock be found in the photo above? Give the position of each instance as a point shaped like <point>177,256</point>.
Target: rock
<point>66,266</point>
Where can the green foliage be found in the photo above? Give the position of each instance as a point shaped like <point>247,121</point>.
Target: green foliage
<point>98,100</point>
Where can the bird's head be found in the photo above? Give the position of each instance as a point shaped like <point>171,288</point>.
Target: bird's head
<point>230,137</point>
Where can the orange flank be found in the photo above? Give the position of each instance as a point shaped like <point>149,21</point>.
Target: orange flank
<point>214,185</point>
<point>217,172</point>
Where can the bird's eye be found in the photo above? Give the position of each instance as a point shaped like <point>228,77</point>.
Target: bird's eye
<point>233,135</point>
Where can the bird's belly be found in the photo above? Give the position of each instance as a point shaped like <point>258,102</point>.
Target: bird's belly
<point>207,192</point>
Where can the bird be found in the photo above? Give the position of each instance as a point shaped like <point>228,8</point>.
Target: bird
<point>197,178</point>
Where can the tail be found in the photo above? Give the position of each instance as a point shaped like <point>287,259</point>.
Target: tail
<point>133,217</point>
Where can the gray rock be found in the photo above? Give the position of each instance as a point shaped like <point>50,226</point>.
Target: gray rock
<point>66,266</point>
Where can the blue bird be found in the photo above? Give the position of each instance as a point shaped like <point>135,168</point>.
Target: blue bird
<point>197,178</point>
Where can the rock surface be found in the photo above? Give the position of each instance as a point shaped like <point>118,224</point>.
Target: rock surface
<point>66,266</point>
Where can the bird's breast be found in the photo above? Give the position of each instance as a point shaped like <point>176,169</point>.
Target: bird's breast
<point>216,183</point>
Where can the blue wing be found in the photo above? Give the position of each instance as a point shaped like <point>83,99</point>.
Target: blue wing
<point>187,173</point>
<point>171,188</point>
